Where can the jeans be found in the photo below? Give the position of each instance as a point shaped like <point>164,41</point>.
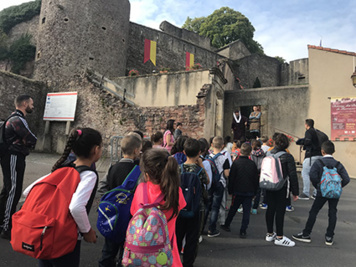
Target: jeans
<point>215,197</point>
<point>316,207</point>
<point>109,252</point>
<point>237,200</point>
<point>69,260</point>
<point>222,211</point>
<point>307,163</point>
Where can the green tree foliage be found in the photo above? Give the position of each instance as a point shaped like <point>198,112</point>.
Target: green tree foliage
<point>21,51</point>
<point>11,16</point>
<point>280,59</point>
<point>3,45</point>
<point>223,27</point>
<point>257,83</point>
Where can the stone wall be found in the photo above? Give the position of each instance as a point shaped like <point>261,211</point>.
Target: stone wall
<point>186,35</point>
<point>171,51</point>
<point>11,86</point>
<point>267,69</point>
<point>234,51</point>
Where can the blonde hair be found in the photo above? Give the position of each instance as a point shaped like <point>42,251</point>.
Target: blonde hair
<point>218,142</point>
<point>130,142</point>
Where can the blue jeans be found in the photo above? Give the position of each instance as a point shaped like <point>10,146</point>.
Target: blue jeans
<point>216,195</point>
<point>109,252</point>
<point>307,163</point>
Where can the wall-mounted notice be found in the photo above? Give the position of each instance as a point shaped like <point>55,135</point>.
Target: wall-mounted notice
<point>60,106</point>
<point>343,119</point>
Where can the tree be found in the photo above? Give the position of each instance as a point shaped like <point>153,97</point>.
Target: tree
<point>21,51</point>
<point>280,59</point>
<point>223,27</point>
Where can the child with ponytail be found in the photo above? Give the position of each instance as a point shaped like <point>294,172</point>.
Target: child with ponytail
<point>86,143</point>
<point>162,177</point>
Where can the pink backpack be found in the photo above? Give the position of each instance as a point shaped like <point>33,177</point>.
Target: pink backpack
<point>271,177</point>
<point>147,238</point>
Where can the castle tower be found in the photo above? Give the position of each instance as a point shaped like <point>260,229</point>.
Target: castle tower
<point>78,34</point>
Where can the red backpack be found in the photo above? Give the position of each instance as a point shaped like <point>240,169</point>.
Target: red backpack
<point>44,227</point>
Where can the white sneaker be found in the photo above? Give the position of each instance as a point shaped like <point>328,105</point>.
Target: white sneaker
<point>285,241</point>
<point>200,239</point>
<point>270,237</point>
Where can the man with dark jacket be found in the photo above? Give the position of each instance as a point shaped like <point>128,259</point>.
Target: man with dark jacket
<point>312,153</point>
<point>316,172</point>
<point>243,185</point>
<point>21,140</point>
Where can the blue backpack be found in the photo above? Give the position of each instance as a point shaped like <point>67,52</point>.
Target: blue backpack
<point>180,157</point>
<point>192,191</point>
<point>114,208</point>
<point>214,169</point>
<point>330,183</point>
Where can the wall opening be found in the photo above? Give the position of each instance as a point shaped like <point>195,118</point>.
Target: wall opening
<point>43,20</point>
<point>104,28</point>
<point>66,19</point>
<point>91,58</point>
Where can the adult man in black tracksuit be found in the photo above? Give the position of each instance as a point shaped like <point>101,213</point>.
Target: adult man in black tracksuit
<point>21,139</point>
<point>312,153</point>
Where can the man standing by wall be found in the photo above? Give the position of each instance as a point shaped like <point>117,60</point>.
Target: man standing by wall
<point>238,126</point>
<point>20,139</point>
<point>312,149</point>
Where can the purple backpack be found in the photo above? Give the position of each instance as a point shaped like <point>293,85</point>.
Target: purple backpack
<point>147,238</point>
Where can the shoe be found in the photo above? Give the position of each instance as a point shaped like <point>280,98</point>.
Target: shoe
<point>313,196</point>
<point>240,210</point>
<point>302,238</point>
<point>289,208</point>
<point>285,242</point>
<point>329,241</point>
<point>213,233</point>
<point>254,211</point>
<point>243,234</point>
<point>303,196</point>
<point>225,228</point>
<point>6,234</point>
<point>270,237</point>
<point>200,239</point>
<point>264,206</point>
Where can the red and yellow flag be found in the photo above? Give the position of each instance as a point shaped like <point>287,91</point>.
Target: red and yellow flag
<point>150,51</point>
<point>189,59</point>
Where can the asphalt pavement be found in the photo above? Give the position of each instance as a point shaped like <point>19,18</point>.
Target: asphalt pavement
<point>229,249</point>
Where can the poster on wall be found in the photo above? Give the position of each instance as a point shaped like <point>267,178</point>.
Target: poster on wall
<point>60,106</point>
<point>343,119</point>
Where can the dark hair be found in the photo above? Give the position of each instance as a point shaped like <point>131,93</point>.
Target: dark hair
<point>179,124</point>
<point>227,139</point>
<point>264,139</point>
<point>281,141</point>
<point>192,147</point>
<point>328,147</point>
<point>170,125</point>
<point>21,98</point>
<point>310,123</point>
<point>146,145</point>
<point>256,144</point>
<point>211,141</point>
<point>274,136</point>
<point>81,142</point>
<point>204,146</point>
<point>163,170</point>
<point>178,145</point>
<point>156,136</point>
<point>245,149</point>
<point>238,143</point>
<point>140,133</point>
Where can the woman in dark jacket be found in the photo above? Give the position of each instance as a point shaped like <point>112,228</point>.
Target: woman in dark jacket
<point>277,200</point>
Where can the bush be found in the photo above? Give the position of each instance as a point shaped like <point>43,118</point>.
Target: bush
<point>21,51</point>
<point>11,16</point>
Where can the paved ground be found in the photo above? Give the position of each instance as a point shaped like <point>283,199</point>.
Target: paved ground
<point>228,249</point>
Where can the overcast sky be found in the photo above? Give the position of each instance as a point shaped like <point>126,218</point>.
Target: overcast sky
<point>283,28</point>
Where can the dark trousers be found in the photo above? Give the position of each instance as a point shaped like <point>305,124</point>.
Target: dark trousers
<point>276,201</point>
<point>316,207</point>
<point>237,200</point>
<point>109,252</point>
<point>190,228</point>
<point>13,169</point>
<point>216,193</point>
<point>69,260</point>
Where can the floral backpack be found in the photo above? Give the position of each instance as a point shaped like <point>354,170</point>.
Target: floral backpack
<point>147,238</point>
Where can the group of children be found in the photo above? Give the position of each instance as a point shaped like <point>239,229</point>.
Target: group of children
<point>219,172</point>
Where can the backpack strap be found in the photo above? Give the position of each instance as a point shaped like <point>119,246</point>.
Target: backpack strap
<point>217,155</point>
<point>135,173</point>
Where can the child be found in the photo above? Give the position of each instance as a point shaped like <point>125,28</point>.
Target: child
<point>157,140</point>
<point>265,145</point>
<point>190,227</point>
<point>217,190</point>
<point>130,146</point>
<point>243,185</point>
<point>161,175</point>
<point>178,131</point>
<point>228,144</point>
<point>86,143</point>
<point>316,172</point>
<point>177,149</point>
<point>235,154</point>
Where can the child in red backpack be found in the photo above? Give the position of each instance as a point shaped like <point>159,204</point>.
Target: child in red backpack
<point>161,175</point>
<point>86,144</point>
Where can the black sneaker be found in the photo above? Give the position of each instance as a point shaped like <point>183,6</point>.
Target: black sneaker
<point>303,196</point>
<point>302,238</point>
<point>6,234</point>
<point>225,228</point>
<point>243,234</point>
<point>213,233</point>
<point>329,241</point>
